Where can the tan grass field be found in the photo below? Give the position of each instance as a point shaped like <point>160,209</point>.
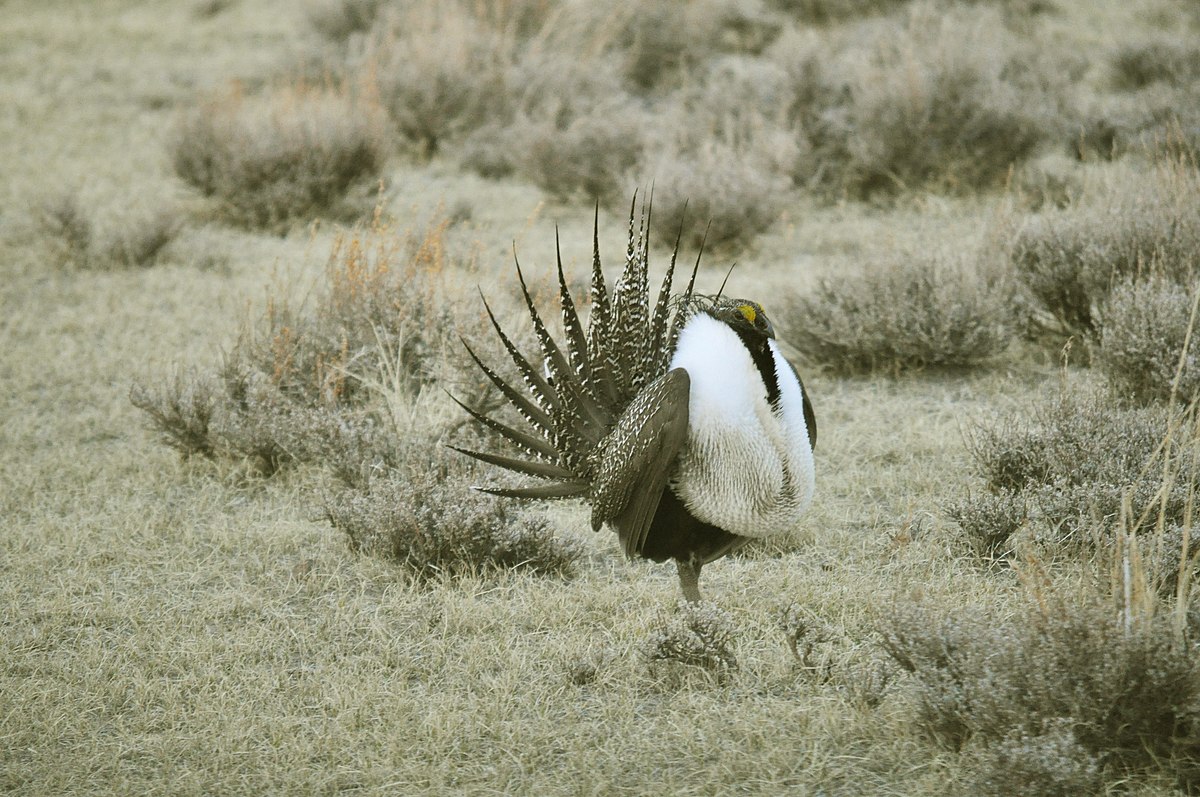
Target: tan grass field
<point>174,626</point>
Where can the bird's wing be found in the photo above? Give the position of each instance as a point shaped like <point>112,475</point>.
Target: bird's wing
<point>636,459</point>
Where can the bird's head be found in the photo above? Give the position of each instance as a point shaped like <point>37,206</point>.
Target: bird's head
<point>744,316</point>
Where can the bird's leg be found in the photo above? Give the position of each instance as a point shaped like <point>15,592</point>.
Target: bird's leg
<point>689,577</point>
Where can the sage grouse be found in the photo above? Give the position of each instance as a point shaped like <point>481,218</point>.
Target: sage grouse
<point>682,424</point>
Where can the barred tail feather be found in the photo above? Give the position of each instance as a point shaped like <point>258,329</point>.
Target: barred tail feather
<point>547,491</point>
<point>538,468</point>
<point>532,445</point>
<point>589,419</point>
<point>591,377</point>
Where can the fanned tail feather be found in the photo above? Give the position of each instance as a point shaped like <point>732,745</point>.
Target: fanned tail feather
<point>591,379</point>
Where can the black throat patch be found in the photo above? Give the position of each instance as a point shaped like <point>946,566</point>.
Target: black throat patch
<point>760,352</point>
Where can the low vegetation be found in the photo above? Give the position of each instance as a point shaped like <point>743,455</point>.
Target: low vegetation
<point>272,159</point>
<point>78,240</point>
<point>418,514</point>
<point>1067,260</point>
<point>1078,470</point>
<point>1059,700</point>
<point>695,635</point>
<point>1146,347</point>
<point>902,315</point>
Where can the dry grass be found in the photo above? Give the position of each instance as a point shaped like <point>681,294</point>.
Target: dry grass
<point>190,626</point>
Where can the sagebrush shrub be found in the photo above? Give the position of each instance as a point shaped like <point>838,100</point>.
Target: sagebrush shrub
<point>138,240</point>
<point>285,155</point>
<point>945,98</point>
<point>567,125</point>
<point>338,20</point>
<point>1067,260</point>
<point>321,381</point>
<point>423,516</point>
<point>1067,684</point>
<point>1048,763</point>
<point>697,635</point>
<point>662,43</point>
<point>825,11</point>
<point>69,227</point>
<point>1175,61</point>
<point>714,195</point>
<point>1144,327</point>
<point>900,315</point>
<point>134,239</point>
<point>989,521</point>
<point>594,155</point>
<point>719,165</point>
<point>1081,465</point>
<point>181,411</point>
<point>439,72</point>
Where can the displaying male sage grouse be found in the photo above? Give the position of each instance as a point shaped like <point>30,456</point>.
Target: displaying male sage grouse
<point>682,424</point>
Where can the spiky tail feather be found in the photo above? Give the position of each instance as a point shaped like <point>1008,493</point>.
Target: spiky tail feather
<point>627,345</point>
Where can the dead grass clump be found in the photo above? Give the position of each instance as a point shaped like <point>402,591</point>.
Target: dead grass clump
<point>439,73</point>
<point>909,314</point>
<point>275,158</point>
<point>1067,260</point>
<point>1080,693</point>
<point>695,635</point>
<point>423,516</point>
<point>1143,335</point>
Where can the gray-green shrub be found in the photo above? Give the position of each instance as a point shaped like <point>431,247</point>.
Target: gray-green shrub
<point>696,635</point>
<point>901,315</point>
<point>989,521</point>
<point>1067,260</point>
<point>318,382</point>
<point>134,239</point>
<point>423,515</point>
<point>439,73</point>
<point>1144,327</point>
<point>1081,465</point>
<point>1080,692</point>
<point>936,97</point>
<point>278,157</point>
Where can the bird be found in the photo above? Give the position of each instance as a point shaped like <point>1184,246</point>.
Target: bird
<point>682,424</point>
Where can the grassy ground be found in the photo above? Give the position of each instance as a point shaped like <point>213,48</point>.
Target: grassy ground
<point>181,627</point>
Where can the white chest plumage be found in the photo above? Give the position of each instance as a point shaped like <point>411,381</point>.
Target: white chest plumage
<point>747,467</point>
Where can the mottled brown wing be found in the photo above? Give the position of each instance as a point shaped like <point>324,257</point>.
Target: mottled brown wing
<point>636,459</point>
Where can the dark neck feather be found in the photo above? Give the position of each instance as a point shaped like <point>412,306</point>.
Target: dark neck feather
<point>760,352</point>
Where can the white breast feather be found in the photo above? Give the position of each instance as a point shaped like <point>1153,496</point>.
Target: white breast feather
<point>745,468</point>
